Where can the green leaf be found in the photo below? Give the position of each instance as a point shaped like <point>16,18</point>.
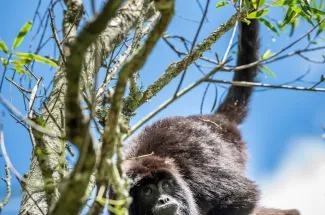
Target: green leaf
<point>215,100</point>
<point>306,2</point>
<point>257,14</point>
<point>269,25</point>
<point>296,9</point>
<point>222,3</point>
<point>22,33</point>
<point>285,2</point>
<point>308,37</point>
<point>254,3</point>
<point>35,57</point>
<point>293,27</point>
<point>21,62</point>
<point>321,28</point>
<point>258,3</point>
<point>261,3</point>
<point>247,21</point>
<point>247,3</point>
<point>20,70</point>
<point>3,47</point>
<point>41,122</point>
<point>268,71</point>
<point>316,11</point>
<point>321,4</point>
<point>306,9</point>
<point>314,3</point>
<point>305,17</point>
<point>4,61</point>
<point>290,16</point>
<point>301,13</point>
<point>267,54</point>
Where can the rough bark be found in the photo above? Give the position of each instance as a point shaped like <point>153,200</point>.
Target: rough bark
<point>37,198</point>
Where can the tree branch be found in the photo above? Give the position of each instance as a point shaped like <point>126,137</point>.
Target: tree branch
<point>77,127</point>
<point>8,186</point>
<point>254,84</point>
<point>177,67</point>
<point>112,141</point>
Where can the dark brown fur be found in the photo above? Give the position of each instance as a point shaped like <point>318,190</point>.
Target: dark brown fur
<point>205,154</point>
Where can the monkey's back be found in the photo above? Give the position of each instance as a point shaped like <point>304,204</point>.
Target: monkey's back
<point>207,150</point>
<point>205,140</point>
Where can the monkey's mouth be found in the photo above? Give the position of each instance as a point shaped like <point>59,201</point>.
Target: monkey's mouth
<point>166,209</point>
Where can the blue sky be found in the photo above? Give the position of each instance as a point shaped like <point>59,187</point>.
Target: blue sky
<point>277,118</point>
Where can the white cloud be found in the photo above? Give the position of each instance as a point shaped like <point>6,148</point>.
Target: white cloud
<point>299,182</point>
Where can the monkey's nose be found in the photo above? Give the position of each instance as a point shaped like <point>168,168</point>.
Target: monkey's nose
<point>163,200</point>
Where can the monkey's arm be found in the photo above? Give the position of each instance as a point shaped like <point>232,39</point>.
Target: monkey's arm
<point>269,211</point>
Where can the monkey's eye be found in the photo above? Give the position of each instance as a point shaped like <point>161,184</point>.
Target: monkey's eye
<point>147,191</point>
<point>165,185</point>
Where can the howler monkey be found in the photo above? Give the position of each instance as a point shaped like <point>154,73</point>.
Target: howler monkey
<point>198,162</point>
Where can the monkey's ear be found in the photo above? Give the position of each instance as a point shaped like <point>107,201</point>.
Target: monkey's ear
<point>271,211</point>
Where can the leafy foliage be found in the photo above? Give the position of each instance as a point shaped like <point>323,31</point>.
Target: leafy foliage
<point>311,11</point>
<point>21,35</point>
<point>25,58</point>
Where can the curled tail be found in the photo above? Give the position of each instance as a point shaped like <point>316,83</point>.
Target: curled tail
<point>235,105</point>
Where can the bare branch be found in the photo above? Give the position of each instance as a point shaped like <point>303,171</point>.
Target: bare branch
<point>6,157</point>
<point>32,98</point>
<point>176,68</point>
<point>205,12</point>
<point>112,136</point>
<point>123,58</point>
<point>273,58</point>
<point>71,200</point>
<point>254,84</point>
<point>34,200</point>
<point>74,116</point>
<point>55,35</point>
<point>174,98</point>
<point>8,186</point>
<point>14,111</point>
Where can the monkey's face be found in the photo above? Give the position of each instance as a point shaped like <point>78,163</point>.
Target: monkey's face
<point>161,194</point>
<point>157,197</point>
<point>158,188</point>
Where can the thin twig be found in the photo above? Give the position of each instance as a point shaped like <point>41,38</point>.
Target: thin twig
<point>272,58</point>
<point>19,87</point>
<point>53,118</point>
<point>254,84</point>
<point>193,44</point>
<point>177,67</point>
<point>33,97</point>
<point>174,98</point>
<point>124,57</point>
<point>311,60</point>
<point>56,38</point>
<point>19,121</point>
<point>31,72</point>
<point>37,127</point>
<point>8,186</point>
<point>6,156</point>
<point>230,42</point>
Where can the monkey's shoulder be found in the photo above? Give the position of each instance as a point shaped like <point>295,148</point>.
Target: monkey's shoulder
<point>187,136</point>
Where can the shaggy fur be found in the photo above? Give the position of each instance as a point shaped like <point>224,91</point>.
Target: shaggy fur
<point>204,154</point>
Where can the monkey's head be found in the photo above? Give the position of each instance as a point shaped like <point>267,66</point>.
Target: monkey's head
<point>158,188</point>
